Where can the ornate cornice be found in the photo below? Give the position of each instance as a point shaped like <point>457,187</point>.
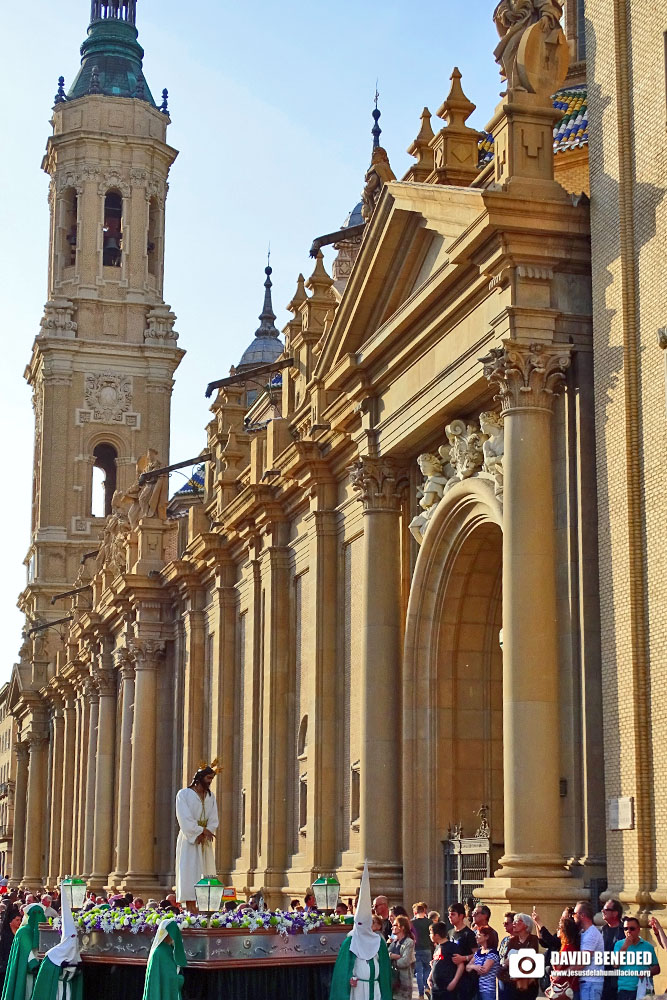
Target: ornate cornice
<point>527,376</point>
<point>379,485</point>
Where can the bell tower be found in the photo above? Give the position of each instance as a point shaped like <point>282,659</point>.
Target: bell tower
<point>103,361</point>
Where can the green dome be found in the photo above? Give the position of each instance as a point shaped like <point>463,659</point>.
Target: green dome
<point>112,50</point>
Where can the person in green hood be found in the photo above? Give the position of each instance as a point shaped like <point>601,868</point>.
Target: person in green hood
<point>59,976</point>
<point>23,961</point>
<point>167,956</point>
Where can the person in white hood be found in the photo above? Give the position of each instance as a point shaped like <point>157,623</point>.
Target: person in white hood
<point>362,970</point>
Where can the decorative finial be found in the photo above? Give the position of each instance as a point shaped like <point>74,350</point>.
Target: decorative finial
<point>139,91</point>
<point>300,296</point>
<point>376,131</point>
<point>60,97</point>
<point>164,107</point>
<point>268,255</point>
<point>422,150</point>
<point>95,87</point>
<point>267,316</point>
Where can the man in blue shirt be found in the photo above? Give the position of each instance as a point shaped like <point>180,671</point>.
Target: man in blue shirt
<point>645,960</point>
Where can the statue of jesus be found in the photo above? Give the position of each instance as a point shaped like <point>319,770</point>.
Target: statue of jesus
<point>197,814</point>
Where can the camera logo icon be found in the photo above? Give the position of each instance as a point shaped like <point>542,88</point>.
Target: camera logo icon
<point>526,963</point>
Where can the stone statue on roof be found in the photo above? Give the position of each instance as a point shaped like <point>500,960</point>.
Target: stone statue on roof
<point>376,177</point>
<point>513,18</point>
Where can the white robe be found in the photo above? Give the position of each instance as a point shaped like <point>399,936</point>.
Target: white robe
<point>193,860</point>
<point>362,990</point>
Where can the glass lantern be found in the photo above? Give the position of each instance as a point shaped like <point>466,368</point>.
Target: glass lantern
<point>325,889</point>
<point>208,893</point>
<point>75,890</point>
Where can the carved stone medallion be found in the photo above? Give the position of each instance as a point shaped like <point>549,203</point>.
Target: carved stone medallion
<point>108,395</point>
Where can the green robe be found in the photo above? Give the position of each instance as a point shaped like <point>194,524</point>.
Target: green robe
<point>344,967</point>
<point>46,984</point>
<point>22,964</point>
<point>163,981</point>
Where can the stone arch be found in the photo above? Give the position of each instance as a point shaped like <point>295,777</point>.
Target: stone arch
<point>452,683</point>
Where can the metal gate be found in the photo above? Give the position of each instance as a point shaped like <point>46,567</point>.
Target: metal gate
<point>467,860</point>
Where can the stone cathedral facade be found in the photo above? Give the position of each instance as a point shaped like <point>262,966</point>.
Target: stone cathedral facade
<point>390,601</point>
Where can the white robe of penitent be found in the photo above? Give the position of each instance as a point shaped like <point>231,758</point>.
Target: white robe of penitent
<point>193,860</point>
<point>362,991</point>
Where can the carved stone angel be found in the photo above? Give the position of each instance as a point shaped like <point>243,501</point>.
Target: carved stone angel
<point>491,424</point>
<point>437,472</point>
<point>376,177</point>
<point>512,19</point>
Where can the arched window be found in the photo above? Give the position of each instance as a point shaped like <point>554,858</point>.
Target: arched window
<point>113,233</point>
<point>70,209</point>
<point>302,740</point>
<point>152,247</point>
<point>104,479</point>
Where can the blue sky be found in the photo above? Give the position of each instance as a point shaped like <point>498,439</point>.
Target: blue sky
<point>271,113</point>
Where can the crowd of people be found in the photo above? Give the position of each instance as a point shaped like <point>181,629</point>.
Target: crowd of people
<point>461,958</point>
<point>465,958</point>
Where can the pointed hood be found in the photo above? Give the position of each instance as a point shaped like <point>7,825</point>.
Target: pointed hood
<point>67,952</point>
<point>33,916</point>
<point>169,928</point>
<point>364,941</point>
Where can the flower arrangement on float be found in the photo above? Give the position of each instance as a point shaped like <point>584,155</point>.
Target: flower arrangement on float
<point>146,920</point>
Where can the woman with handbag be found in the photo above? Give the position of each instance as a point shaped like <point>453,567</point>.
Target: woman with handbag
<point>402,955</point>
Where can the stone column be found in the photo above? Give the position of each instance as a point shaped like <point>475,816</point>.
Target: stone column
<point>378,484</point>
<point>67,800</point>
<point>124,766</point>
<point>20,795</point>
<point>78,845</point>
<point>323,548</point>
<point>224,668</point>
<point>104,778</point>
<point>57,749</point>
<point>141,855</point>
<point>33,874</point>
<point>527,377</point>
<point>88,812</point>
<point>193,736</point>
<point>275,566</point>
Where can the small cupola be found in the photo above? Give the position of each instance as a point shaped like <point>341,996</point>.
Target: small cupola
<point>111,57</point>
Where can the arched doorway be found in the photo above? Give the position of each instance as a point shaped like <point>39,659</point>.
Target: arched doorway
<point>452,685</point>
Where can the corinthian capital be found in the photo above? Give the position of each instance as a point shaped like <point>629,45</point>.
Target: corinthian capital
<point>527,376</point>
<point>146,652</point>
<point>378,483</point>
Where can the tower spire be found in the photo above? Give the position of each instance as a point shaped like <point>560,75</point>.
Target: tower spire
<point>376,131</point>
<point>267,317</point>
